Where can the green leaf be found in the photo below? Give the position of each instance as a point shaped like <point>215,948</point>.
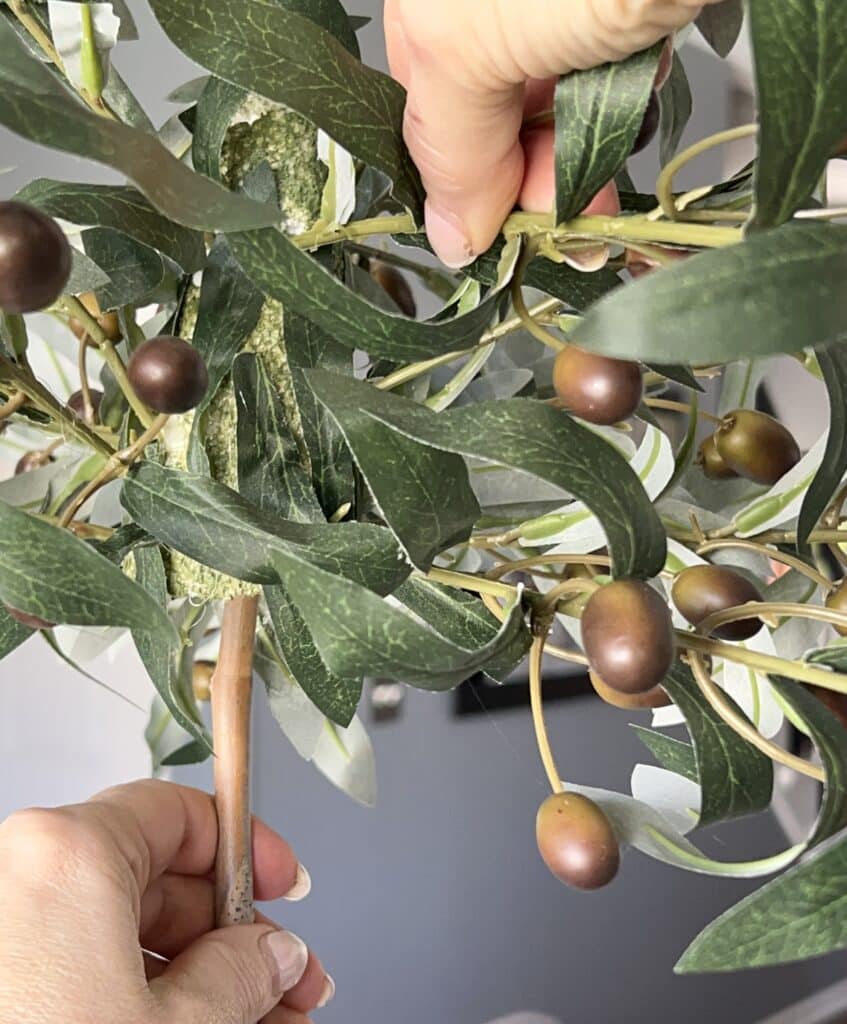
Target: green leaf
<point>423,493</point>
<point>779,291</point>
<point>720,25</point>
<point>35,105</point>
<point>329,14</point>
<point>216,108</point>
<point>122,542</point>
<point>289,59</point>
<point>674,755</point>
<point>833,364</point>
<point>86,276</point>
<point>337,696</point>
<point>275,264</point>
<point>170,745</point>
<point>358,633</point>
<point>12,633</point>
<point>675,108</point>
<point>598,116</point>
<point>801,82</point>
<point>683,375</point>
<point>270,469</point>
<point>735,778</point>
<point>119,207</point>
<point>134,270</point>
<point>216,526</point>
<point>531,437</point>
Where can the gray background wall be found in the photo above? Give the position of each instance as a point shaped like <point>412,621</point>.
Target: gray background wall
<point>434,906</point>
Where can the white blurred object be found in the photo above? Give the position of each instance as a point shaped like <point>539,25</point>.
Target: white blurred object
<point>526,1018</point>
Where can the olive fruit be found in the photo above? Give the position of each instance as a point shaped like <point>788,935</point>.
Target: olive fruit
<point>756,446</point>
<point>32,460</point>
<point>701,590</point>
<point>649,124</point>
<point>710,461</point>
<point>35,259</point>
<point>835,702</point>
<point>30,621</point>
<point>168,374</point>
<point>597,388</point>
<point>396,285</point>
<point>837,601</point>
<point>655,698</point>
<point>576,841</point>
<point>201,679</point>
<point>627,635</point>
<point>109,323</point>
<point>76,403</point>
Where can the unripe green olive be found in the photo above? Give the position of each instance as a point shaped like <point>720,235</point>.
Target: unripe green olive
<point>628,637</point>
<point>109,323</point>
<point>655,698</point>
<point>702,590</point>
<point>32,460</point>
<point>649,124</point>
<point>576,841</point>
<point>76,403</point>
<point>35,259</point>
<point>596,388</point>
<point>756,446</point>
<point>837,601</point>
<point>168,374</point>
<point>710,461</point>
<point>30,621</point>
<point>201,679</point>
<point>396,285</point>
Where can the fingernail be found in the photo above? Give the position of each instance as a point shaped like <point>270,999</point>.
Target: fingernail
<point>327,994</point>
<point>301,888</point>
<point>449,237</point>
<point>290,956</point>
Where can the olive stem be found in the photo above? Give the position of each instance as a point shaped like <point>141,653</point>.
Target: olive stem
<point>466,581</point>
<point>683,407</point>
<point>777,556</point>
<point>527,320</point>
<point>13,405</point>
<point>564,559</point>
<point>664,184</point>
<point>232,685</point>
<point>403,224</point>
<point>779,610</point>
<point>439,284</point>
<point>536,701</point>
<point>567,589</point>
<point>85,387</point>
<point>739,724</point>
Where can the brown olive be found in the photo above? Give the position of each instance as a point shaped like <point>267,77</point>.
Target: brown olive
<point>109,323</point>
<point>76,403</point>
<point>710,461</point>
<point>32,460</point>
<point>649,124</point>
<point>835,702</point>
<point>576,841</point>
<point>35,259</point>
<point>627,635</point>
<point>638,263</point>
<point>201,679</point>
<point>702,590</point>
<point>30,621</point>
<point>168,374</point>
<point>837,601</point>
<point>655,698</point>
<point>596,388</point>
<point>756,446</point>
<point>396,285</point>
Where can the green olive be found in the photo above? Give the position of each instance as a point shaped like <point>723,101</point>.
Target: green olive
<point>627,635</point>
<point>655,698</point>
<point>576,841</point>
<point>756,446</point>
<point>596,388</point>
<point>837,601</point>
<point>702,590</point>
<point>710,461</point>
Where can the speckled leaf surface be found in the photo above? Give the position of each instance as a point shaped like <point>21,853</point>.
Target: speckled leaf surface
<point>12,633</point>
<point>675,104</point>
<point>672,754</point>
<point>779,291</point>
<point>801,82</point>
<point>263,47</point>
<point>216,108</point>
<point>598,115</point>
<point>134,270</point>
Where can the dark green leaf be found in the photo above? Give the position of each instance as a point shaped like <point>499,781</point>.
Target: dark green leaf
<point>291,60</point>
<point>835,656</point>
<point>270,467</point>
<point>735,778</point>
<point>216,526</point>
<point>12,633</point>
<point>674,755</point>
<point>122,543</point>
<point>335,695</point>
<point>598,116</point>
<point>134,270</point>
<point>121,208</point>
<point>680,374</point>
<point>216,108</point>
<point>423,493</point>
<point>779,291</point>
<point>329,14</point>
<point>533,438</point>
<point>34,104</point>
<point>833,364</point>
<point>86,276</point>
<point>275,264</point>
<point>801,81</point>
<point>720,25</point>
<point>675,107</point>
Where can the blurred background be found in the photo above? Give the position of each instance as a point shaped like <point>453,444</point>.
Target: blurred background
<point>435,906</point>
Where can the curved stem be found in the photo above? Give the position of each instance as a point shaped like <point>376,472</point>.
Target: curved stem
<point>529,563</point>
<point>777,556</point>
<point>568,588</point>
<point>762,609</point>
<point>85,387</point>
<point>683,407</point>
<point>536,655</point>
<point>527,320</point>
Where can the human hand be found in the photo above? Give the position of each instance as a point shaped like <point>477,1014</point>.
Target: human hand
<point>474,71</point>
<point>84,890</point>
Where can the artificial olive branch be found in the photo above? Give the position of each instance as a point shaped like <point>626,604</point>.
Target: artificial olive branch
<point>527,320</point>
<point>85,387</point>
<point>536,654</point>
<point>777,556</point>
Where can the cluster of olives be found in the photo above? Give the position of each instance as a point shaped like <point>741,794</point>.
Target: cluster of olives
<point>597,388</point>
<point>749,444</point>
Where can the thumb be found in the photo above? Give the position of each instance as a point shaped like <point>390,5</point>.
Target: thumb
<point>231,976</point>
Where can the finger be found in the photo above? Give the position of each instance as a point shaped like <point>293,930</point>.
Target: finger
<point>154,966</point>
<point>313,991</point>
<point>282,1015</point>
<point>232,976</point>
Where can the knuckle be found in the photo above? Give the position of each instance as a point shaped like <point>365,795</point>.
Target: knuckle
<point>248,980</point>
<point>42,840</point>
